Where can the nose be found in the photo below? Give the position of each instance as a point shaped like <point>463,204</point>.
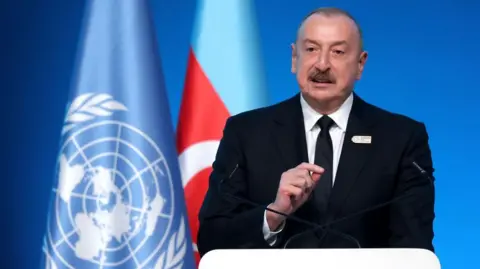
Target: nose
<point>323,62</point>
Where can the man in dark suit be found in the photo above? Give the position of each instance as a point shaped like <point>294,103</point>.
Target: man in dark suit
<point>323,156</point>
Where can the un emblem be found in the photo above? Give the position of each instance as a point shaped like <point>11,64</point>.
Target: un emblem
<point>114,201</point>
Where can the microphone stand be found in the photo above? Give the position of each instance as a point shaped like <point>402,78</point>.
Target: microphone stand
<point>315,226</point>
<point>418,167</point>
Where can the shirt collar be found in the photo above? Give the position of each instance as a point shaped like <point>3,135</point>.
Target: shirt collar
<point>340,116</point>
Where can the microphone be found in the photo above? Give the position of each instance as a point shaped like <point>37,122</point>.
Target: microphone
<point>423,172</point>
<point>314,225</point>
<point>418,167</point>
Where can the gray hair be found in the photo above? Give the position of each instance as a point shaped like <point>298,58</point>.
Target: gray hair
<point>333,11</point>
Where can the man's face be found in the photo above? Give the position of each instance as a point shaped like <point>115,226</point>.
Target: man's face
<point>327,57</point>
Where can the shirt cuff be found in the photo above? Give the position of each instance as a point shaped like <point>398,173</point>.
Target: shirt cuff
<point>270,236</point>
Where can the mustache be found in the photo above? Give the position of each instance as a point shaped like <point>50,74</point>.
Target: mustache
<point>318,75</point>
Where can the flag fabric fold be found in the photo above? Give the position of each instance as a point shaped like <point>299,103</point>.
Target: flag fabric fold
<point>118,199</point>
<point>225,76</point>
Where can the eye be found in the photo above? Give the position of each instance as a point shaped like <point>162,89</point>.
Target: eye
<point>310,49</point>
<point>338,52</point>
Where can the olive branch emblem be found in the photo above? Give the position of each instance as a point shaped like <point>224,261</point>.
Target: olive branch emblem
<point>89,106</point>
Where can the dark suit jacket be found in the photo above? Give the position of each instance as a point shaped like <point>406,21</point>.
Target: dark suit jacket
<point>268,141</point>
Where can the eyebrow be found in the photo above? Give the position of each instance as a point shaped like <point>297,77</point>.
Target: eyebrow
<point>336,43</point>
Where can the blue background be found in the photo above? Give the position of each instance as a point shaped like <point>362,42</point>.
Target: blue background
<point>423,62</point>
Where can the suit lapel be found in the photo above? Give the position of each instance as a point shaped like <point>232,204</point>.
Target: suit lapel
<point>353,156</point>
<point>288,132</point>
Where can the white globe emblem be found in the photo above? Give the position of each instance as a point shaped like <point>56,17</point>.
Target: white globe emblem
<point>114,201</point>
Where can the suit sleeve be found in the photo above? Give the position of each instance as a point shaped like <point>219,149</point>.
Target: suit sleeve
<point>226,222</point>
<point>411,218</point>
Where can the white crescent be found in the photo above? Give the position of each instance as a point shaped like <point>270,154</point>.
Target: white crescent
<point>197,157</point>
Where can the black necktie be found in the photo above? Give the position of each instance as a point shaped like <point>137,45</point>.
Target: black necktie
<point>324,158</point>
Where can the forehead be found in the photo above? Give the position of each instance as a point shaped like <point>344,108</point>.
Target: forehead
<point>329,28</point>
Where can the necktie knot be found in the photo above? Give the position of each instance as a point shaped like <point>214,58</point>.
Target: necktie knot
<point>325,123</point>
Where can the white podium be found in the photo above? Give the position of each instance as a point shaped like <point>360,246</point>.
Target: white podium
<point>320,258</point>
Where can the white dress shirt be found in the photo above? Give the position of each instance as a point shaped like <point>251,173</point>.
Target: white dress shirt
<point>337,133</point>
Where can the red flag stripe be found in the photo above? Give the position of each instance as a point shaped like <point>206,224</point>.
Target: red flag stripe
<point>202,112</point>
<point>201,121</point>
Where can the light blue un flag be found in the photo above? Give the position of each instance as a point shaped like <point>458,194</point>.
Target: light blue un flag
<point>118,199</point>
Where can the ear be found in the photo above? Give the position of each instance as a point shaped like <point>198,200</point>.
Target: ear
<point>361,63</point>
<point>294,58</point>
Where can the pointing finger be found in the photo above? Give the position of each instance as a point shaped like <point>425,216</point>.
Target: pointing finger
<point>311,167</point>
<point>316,177</point>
